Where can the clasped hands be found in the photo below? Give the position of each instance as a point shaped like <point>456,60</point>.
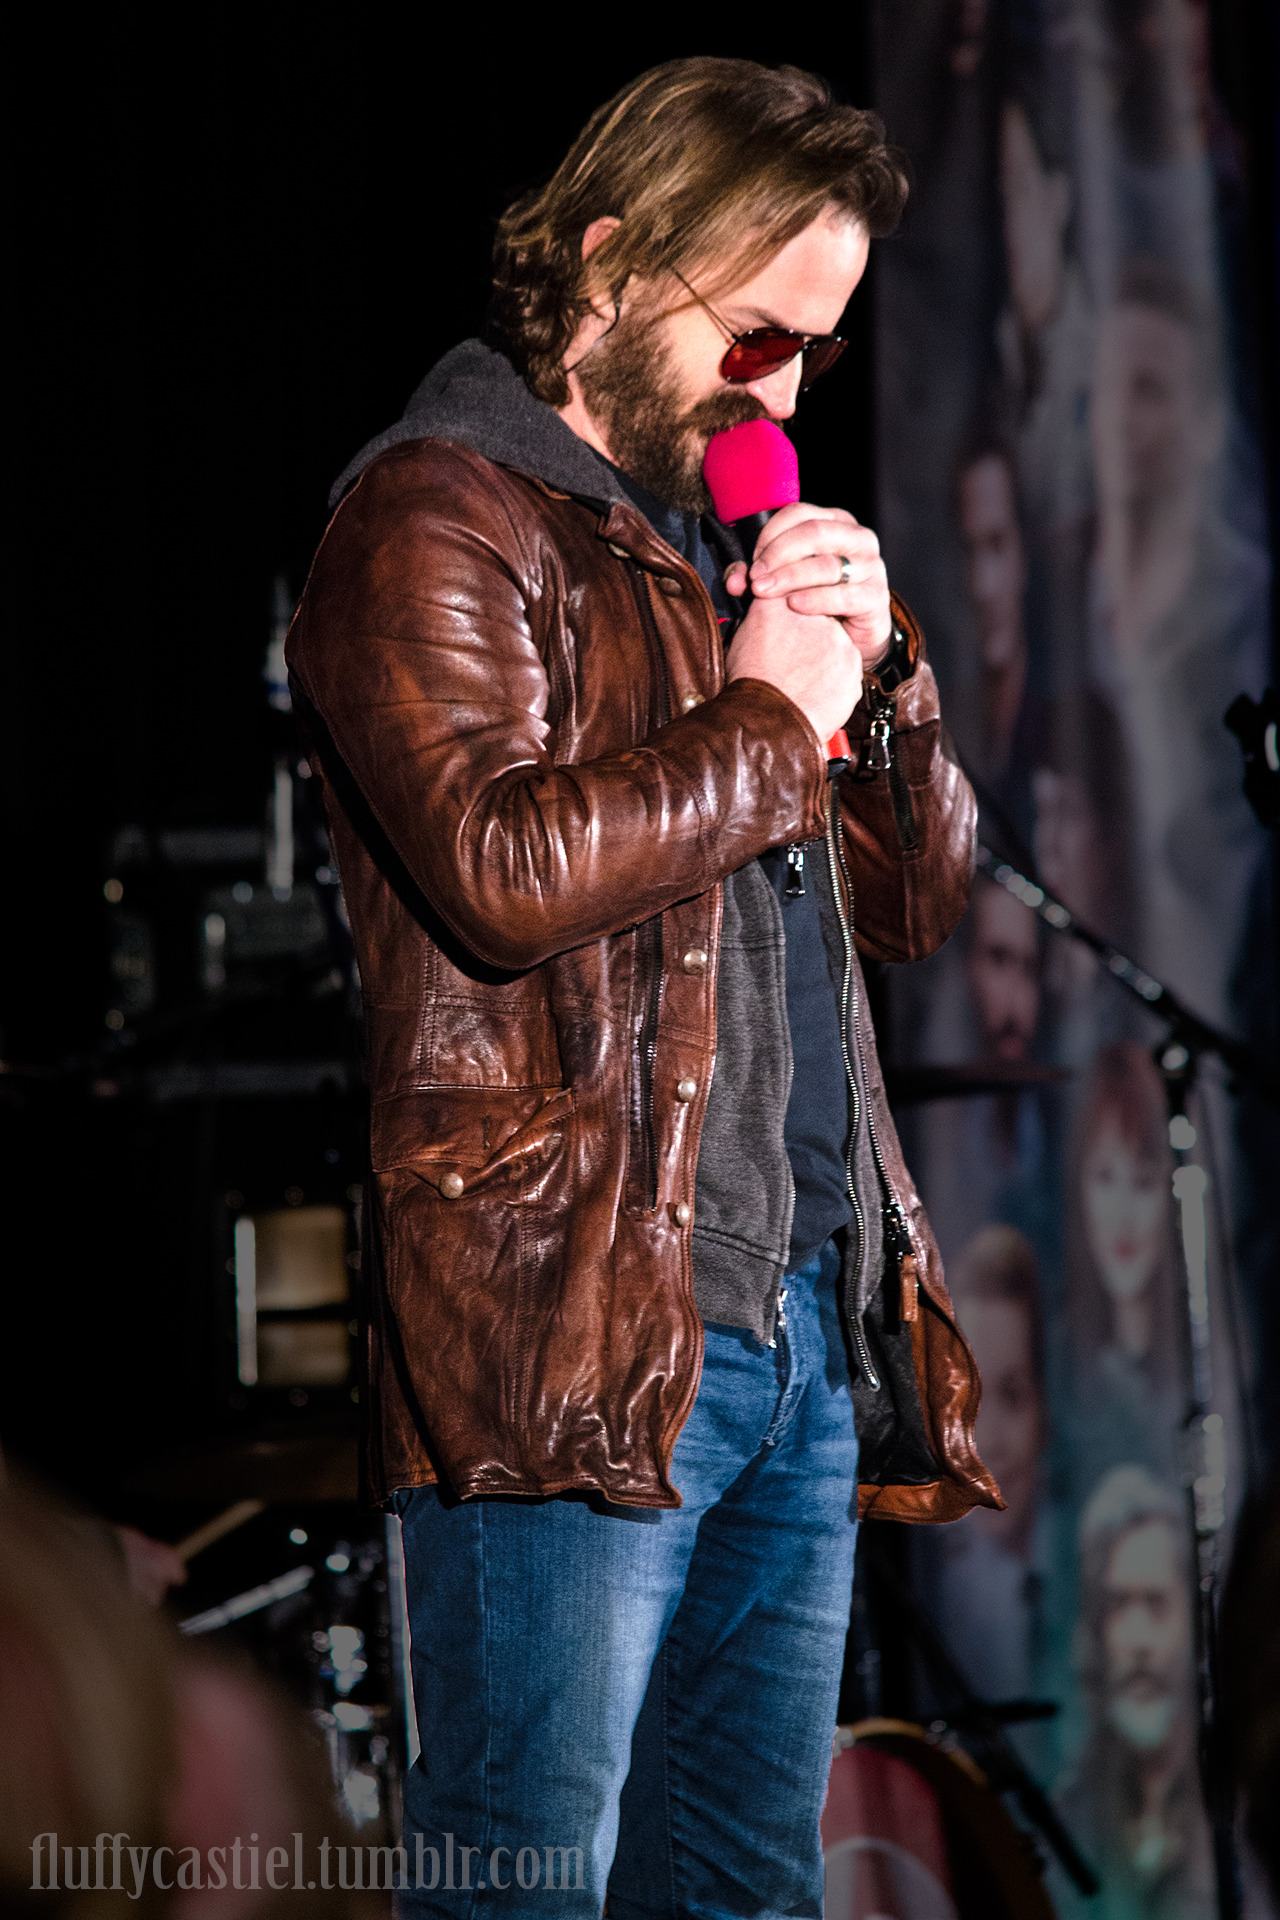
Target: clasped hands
<point>819,615</point>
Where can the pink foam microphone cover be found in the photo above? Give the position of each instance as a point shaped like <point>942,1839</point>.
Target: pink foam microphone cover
<point>751,468</point>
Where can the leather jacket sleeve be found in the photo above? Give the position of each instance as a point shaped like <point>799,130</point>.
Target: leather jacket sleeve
<point>426,644</point>
<point>908,899</point>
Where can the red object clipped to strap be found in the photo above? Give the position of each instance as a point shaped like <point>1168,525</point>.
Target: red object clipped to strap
<point>750,469</point>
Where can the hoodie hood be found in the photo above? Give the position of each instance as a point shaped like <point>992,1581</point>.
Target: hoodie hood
<point>475,396</point>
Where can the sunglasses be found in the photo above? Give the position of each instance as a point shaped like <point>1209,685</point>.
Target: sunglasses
<point>760,351</point>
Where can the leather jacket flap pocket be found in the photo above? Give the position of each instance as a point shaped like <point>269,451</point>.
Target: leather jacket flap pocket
<point>456,1137</point>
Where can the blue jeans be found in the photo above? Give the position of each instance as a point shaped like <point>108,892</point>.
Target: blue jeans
<point>655,1690</point>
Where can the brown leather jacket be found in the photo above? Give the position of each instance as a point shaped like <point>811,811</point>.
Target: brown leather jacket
<point>516,701</point>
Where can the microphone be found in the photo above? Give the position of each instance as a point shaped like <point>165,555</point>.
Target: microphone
<point>751,470</point>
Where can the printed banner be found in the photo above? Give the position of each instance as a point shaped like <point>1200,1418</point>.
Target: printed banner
<point>1071,501</point>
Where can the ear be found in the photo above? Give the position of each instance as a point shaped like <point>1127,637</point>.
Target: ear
<point>595,236</point>
<point>597,232</point>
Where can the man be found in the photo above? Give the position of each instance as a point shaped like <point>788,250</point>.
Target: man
<point>1004,973</point>
<point>610,1254</point>
<point>1134,1799</point>
<point>996,577</point>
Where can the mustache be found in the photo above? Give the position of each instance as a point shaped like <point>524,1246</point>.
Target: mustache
<point>1139,1670</point>
<point>726,408</point>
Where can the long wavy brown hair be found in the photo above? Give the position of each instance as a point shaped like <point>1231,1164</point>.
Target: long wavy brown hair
<point>706,163</point>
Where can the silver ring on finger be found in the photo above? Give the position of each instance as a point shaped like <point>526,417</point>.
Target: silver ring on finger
<point>846,569</point>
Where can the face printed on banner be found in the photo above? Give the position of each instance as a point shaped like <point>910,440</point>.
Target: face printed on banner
<point>1035,202</point>
<point>995,563</point>
<point>996,1286</point>
<point>1010,1429</point>
<point>1146,1635</point>
<point>1004,973</point>
<point>1071,852</point>
<point>1149,421</point>
<point>1124,1195</point>
<point>1156,426</point>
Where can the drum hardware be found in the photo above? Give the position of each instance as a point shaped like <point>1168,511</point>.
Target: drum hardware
<point>910,1086</point>
<point>991,1862</point>
<point>242,1604</point>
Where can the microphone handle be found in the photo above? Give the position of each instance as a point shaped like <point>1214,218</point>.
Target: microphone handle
<point>748,530</point>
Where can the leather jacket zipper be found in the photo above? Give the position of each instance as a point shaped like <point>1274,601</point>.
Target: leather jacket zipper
<point>898,1242</point>
<point>879,756</point>
<point>649,934</point>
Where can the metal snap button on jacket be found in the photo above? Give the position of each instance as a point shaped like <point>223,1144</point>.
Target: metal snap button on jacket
<point>682,1213</point>
<point>451,1185</point>
<point>695,961</point>
<point>686,1089</point>
<point>690,701</point>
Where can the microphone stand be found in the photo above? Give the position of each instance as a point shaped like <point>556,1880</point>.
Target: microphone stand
<point>1203,1436</point>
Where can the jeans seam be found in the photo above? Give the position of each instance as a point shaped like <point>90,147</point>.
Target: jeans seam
<point>666,1780</point>
<point>488,1712</point>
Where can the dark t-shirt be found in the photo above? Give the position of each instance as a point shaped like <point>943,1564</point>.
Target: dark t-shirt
<point>816,1131</point>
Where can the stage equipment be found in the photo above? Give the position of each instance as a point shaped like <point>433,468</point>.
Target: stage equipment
<point>911,1816</point>
<point>1256,725</point>
<point>910,1086</point>
<point>268,1465</point>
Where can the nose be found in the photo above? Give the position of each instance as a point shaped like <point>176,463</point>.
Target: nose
<point>778,390</point>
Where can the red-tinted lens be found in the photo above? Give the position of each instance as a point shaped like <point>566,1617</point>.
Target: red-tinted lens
<point>819,358</point>
<point>762,351</point>
<point>757,354</point>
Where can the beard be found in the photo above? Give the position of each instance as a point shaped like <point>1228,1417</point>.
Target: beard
<point>1144,1724</point>
<point>632,392</point>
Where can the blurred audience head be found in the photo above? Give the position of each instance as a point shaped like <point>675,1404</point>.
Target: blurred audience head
<point>118,1742</point>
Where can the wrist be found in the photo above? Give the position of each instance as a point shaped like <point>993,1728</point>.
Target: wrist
<point>872,662</point>
<point>900,657</point>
